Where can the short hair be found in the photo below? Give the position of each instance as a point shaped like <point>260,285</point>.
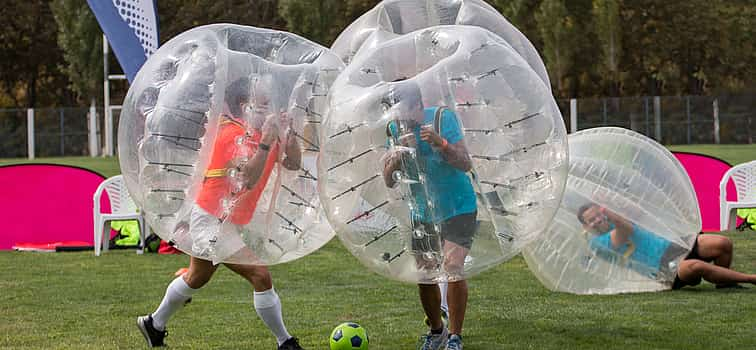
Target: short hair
<point>583,209</point>
<point>237,93</point>
<point>406,94</point>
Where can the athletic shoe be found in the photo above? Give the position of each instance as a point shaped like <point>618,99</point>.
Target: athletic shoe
<point>432,341</point>
<point>444,319</point>
<point>455,342</point>
<point>290,344</point>
<point>153,336</point>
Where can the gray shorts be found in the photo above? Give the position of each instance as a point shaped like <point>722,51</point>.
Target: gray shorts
<point>459,229</point>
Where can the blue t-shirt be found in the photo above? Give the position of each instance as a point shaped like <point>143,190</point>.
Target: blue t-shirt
<point>647,250</point>
<point>449,188</point>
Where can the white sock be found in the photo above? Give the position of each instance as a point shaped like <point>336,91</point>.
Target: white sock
<point>176,295</point>
<point>268,307</point>
<point>444,304</point>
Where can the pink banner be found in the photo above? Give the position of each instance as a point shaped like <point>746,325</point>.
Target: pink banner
<point>42,203</point>
<point>705,173</point>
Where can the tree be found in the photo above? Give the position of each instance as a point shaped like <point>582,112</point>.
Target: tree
<point>558,33</point>
<point>520,14</point>
<point>29,56</point>
<point>178,16</point>
<point>608,32</point>
<point>80,38</point>
<point>321,21</point>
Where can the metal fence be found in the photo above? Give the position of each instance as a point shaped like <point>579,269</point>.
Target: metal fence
<point>667,119</point>
<point>671,120</point>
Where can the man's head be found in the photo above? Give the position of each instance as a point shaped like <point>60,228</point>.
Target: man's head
<point>593,218</point>
<point>404,101</point>
<point>237,96</point>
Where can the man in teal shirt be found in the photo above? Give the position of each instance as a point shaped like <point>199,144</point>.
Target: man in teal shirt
<point>428,151</point>
<point>620,241</point>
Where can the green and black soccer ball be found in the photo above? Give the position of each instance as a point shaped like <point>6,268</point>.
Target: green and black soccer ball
<point>349,336</point>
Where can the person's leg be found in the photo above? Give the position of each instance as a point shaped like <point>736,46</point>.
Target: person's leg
<point>693,269</point>
<point>457,289</point>
<point>181,289</point>
<point>266,300</point>
<point>715,248</point>
<point>430,298</point>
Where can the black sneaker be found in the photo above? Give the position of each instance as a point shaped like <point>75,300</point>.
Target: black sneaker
<point>290,344</point>
<point>153,336</point>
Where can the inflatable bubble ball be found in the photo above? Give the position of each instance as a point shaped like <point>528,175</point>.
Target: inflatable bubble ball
<point>442,154</point>
<point>392,18</point>
<point>218,139</point>
<point>629,215</point>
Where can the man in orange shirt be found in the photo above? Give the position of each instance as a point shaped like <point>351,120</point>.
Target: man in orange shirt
<point>241,162</point>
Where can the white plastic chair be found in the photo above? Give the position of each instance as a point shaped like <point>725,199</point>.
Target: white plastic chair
<point>744,177</point>
<point>122,208</point>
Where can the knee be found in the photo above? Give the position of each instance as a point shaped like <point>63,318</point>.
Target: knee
<point>196,279</point>
<point>696,267</point>
<point>723,245</point>
<point>257,275</point>
<point>727,245</point>
<point>454,266</point>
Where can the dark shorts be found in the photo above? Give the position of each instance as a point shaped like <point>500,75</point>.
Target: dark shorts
<point>459,229</point>
<point>693,255</point>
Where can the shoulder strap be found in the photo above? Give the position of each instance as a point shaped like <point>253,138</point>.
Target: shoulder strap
<point>437,119</point>
<point>388,129</point>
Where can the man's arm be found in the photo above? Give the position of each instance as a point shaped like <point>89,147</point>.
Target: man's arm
<point>255,166</point>
<point>623,229</point>
<point>453,153</point>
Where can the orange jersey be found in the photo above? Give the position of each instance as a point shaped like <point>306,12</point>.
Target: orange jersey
<point>233,142</point>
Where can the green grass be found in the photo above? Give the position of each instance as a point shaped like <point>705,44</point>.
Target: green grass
<point>106,166</point>
<point>77,301</point>
<point>733,154</point>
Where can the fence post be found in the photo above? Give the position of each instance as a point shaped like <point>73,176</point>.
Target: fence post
<point>62,132</point>
<point>645,111</point>
<point>92,124</point>
<point>715,106</point>
<point>657,119</point>
<point>108,127</point>
<point>573,116</point>
<point>30,132</point>
<point>687,113</point>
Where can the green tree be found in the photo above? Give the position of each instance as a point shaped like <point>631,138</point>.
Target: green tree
<point>321,21</point>
<point>558,32</point>
<point>29,56</point>
<point>520,14</point>
<point>80,38</point>
<point>609,35</point>
<point>178,16</point>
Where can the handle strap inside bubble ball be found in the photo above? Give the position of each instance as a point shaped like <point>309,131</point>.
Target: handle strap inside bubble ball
<point>436,122</point>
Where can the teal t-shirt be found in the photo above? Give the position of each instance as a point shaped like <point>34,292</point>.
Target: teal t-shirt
<point>448,188</point>
<point>646,255</point>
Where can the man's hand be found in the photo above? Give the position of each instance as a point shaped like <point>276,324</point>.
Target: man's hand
<point>428,135</point>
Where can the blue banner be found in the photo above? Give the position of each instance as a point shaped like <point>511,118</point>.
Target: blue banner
<point>131,27</point>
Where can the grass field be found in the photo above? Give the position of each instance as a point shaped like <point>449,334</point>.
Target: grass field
<point>77,301</point>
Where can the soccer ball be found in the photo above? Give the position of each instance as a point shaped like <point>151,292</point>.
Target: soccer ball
<point>349,336</point>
